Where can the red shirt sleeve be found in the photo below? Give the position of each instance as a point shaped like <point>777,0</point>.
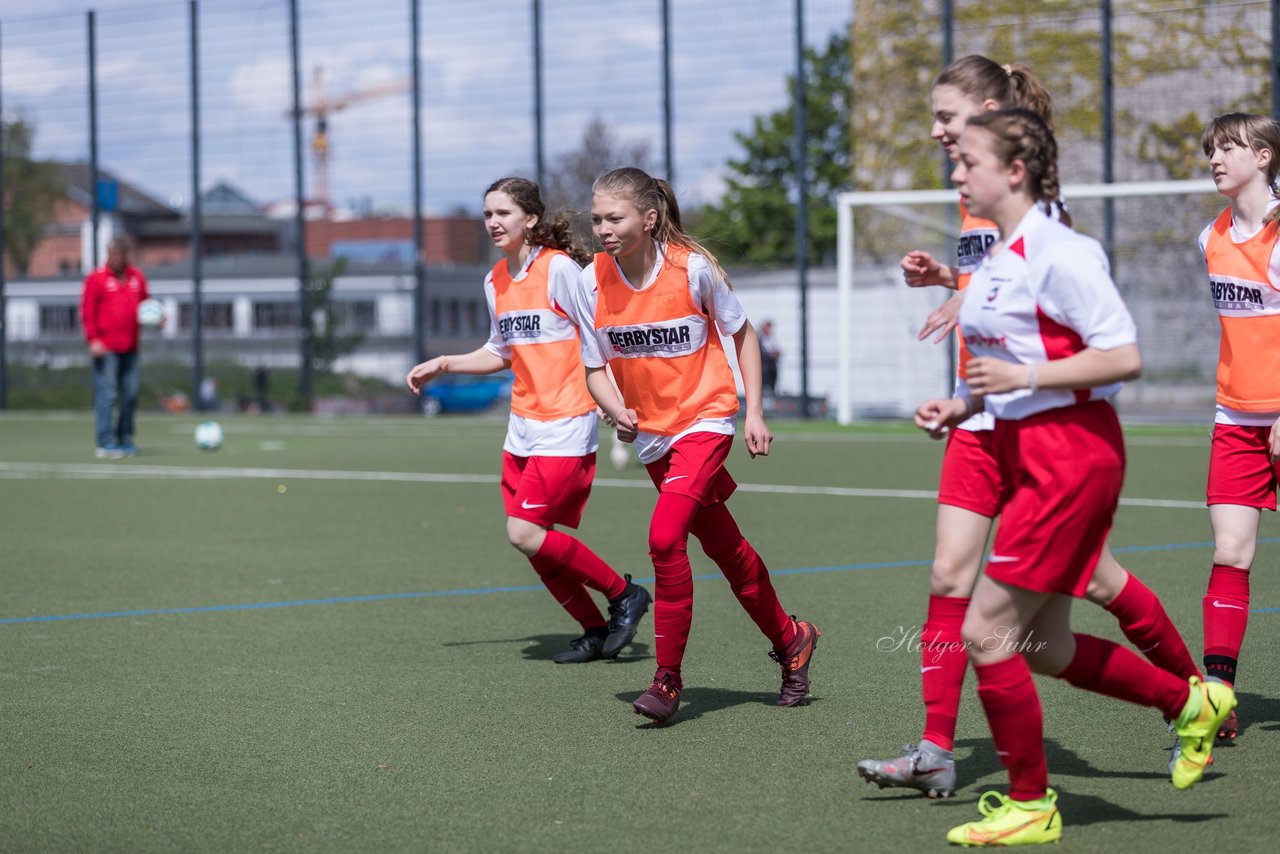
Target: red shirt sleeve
<point>89,307</point>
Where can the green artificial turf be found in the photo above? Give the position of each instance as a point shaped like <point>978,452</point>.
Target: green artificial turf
<point>305,657</point>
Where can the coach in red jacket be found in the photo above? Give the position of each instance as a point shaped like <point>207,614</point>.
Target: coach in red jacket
<point>109,312</point>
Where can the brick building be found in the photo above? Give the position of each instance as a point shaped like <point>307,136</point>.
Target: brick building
<point>233,225</point>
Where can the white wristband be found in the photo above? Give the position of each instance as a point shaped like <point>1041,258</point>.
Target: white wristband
<point>1033,382</point>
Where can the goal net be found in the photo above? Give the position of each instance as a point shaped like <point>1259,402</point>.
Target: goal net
<point>882,370</point>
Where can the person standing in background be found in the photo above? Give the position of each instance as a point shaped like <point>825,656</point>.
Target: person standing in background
<point>769,355</point>
<point>109,314</point>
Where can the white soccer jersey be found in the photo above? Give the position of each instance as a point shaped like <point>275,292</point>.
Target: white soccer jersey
<point>574,436</point>
<point>1046,296</point>
<point>706,289</point>
<point>976,237</point>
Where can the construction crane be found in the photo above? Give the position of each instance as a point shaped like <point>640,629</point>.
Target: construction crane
<point>320,107</point>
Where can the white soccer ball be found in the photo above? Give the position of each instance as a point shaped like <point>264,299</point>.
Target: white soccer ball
<point>150,314</point>
<point>208,436</point>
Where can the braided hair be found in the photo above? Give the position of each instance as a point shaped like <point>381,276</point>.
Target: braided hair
<point>1021,134</point>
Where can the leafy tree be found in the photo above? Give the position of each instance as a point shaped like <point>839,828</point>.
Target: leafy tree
<point>1212,40</point>
<point>1158,47</point>
<point>327,344</point>
<point>31,191</point>
<point>754,220</point>
<point>568,181</point>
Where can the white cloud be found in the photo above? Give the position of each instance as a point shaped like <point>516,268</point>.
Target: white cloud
<point>262,87</point>
<point>477,76</point>
<point>32,74</point>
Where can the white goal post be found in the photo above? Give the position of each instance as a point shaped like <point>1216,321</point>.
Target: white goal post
<point>1132,226</point>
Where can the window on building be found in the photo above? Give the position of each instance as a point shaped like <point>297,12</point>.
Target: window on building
<point>355,316</point>
<point>437,316</point>
<point>59,319</point>
<point>275,315</point>
<point>215,316</point>
<point>455,317</point>
<point>473,316</point>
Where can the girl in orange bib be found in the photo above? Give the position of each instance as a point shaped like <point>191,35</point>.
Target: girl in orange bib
<point>1241,257</point>
<point>549,457</point>
<point>652,307</point>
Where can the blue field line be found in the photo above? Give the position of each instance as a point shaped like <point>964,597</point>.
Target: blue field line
<point>525,588</point>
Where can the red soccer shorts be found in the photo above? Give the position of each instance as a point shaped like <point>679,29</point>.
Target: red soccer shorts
<point>1063,470</point>
<point>547,490</point>
<point>971,473</point>
<point>695,467</point>
<point>1241,470</point>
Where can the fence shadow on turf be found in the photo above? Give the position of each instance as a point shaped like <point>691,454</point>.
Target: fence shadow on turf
<point>696,701</point>
<point>543,647</point>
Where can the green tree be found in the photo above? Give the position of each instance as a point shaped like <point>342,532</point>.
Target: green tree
<point>31,190</point>
<point>1216,41</point>
<point>571,174</point>
<point>327,343</point>
<point>754,219</point>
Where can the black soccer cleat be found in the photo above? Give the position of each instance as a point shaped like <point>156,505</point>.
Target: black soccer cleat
<point>625,611</point>
<point>583,649</point>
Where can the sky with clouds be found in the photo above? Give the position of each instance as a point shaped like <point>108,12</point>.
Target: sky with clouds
<point>730,59</point>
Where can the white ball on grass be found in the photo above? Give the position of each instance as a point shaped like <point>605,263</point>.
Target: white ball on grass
<point>208,436</point>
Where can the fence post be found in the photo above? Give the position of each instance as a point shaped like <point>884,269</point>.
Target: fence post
<point>667,106</point>
<point>539,156</point>
<point>95,204</point>
<point>948,57</point>
<point>1275,59</point>
<point>299,219</point>
<point>1108,138</point>
<point>801,156</point>
<point>197,219</point>
<point>4,303</point>
<point>419,265</point>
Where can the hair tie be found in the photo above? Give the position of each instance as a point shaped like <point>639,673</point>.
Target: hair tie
<point>1008,70</point>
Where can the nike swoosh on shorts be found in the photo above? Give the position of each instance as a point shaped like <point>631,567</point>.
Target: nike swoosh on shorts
<point>527,506</point>
<point>677,477</point>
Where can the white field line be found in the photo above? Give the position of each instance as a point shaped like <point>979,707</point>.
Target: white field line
<point>89,471</point>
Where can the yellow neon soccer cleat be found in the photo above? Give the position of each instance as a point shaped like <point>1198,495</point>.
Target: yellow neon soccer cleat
<point>1208,706</point>
<point>1009,822</point>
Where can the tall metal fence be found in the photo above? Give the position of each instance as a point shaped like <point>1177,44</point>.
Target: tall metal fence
<point>251,106</point>
<point>532,87</point>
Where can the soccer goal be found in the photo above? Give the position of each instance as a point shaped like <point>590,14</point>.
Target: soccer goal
<point>883,371</point>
